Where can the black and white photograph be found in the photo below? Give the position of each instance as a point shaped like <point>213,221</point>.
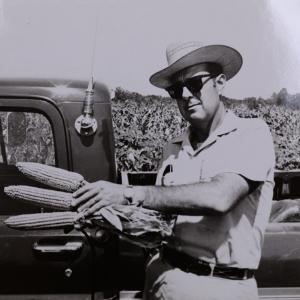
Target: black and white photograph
<point>149,150</point>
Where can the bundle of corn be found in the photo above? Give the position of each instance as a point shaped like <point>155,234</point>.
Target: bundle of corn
<point>43,220</point>
<point>42,197</point>
<point>141,226</point>
<point>54,177</point>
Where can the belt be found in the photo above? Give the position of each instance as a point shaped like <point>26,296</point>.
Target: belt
<point>190,264</point>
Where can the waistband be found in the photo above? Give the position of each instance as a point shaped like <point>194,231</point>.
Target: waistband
<point>190,264</point>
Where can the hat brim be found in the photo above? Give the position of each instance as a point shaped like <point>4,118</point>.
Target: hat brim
<point>228,58</point>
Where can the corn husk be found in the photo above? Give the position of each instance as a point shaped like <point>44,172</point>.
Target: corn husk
<point>143,227</point>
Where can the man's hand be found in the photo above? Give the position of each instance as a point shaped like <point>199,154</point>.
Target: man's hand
<point>93,196</point>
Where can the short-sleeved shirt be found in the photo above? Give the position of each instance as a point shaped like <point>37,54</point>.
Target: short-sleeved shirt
<point>240,146</point>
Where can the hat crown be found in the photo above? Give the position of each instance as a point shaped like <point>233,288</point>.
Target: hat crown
<point>175,51</point>
<point>186,54</point>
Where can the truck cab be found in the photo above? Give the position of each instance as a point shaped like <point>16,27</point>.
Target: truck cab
<point>37,125</point>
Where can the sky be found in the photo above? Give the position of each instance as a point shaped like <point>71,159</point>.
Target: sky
<point>122,42</point>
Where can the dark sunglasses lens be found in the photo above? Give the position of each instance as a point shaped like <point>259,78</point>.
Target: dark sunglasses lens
<point>194,84</point>
<point>175,91</point>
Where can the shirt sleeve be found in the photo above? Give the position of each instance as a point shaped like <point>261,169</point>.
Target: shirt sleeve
<point>251,152</point>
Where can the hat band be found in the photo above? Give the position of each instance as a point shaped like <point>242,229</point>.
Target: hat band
<point>211,68</point>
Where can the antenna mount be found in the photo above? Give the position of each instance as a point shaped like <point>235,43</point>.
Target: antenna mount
<point>86,124</point>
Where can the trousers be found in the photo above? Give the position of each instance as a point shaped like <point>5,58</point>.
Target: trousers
<point>168,283</point>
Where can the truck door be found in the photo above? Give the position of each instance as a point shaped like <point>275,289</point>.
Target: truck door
<point>42,264</point>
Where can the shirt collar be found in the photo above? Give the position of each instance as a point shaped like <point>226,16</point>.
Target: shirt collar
<point>229,124</point>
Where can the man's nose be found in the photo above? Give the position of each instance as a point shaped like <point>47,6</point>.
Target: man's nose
<point>187,94</point>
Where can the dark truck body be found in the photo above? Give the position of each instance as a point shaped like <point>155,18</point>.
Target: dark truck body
<point>58,264</point>
<point>27,269</point>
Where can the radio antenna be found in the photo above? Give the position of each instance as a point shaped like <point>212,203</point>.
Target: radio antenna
<point>94,44</point>
<point>86,124</point>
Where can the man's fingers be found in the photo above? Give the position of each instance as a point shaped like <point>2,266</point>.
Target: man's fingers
<point>96,207</point>
<point>82,190</point>
<point>93,196</point>
<point>84,197</point>
<point>89,203</point>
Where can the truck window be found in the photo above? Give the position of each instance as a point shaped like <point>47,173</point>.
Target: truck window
<point>26,136</point>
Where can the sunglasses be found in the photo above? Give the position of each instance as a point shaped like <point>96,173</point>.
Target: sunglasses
<point>193,84</point>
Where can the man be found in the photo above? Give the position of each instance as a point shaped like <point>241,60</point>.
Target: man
<point>217,177</point>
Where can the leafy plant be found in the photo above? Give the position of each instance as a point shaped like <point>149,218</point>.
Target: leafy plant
<point>144,124</point>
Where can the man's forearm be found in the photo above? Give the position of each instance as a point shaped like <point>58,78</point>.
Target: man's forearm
<point>214,197</point>
<point>184,199</point>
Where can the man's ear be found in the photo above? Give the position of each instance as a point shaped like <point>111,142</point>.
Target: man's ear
<point>220,82</point>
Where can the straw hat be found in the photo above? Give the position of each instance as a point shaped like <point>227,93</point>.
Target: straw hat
<point>183,55</point>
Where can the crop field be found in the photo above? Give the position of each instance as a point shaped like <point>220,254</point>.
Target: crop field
<point>143,125</point>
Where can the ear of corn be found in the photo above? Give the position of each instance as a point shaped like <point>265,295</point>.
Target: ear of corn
<point>42,197</point>
<point>42,220</point>
<point>52,176</point>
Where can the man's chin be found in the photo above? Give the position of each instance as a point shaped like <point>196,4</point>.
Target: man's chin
<point>196,117</point>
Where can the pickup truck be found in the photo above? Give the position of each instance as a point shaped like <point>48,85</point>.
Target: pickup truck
<point>44,121</point>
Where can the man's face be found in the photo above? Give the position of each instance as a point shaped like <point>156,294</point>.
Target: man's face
<point>200,107</point>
